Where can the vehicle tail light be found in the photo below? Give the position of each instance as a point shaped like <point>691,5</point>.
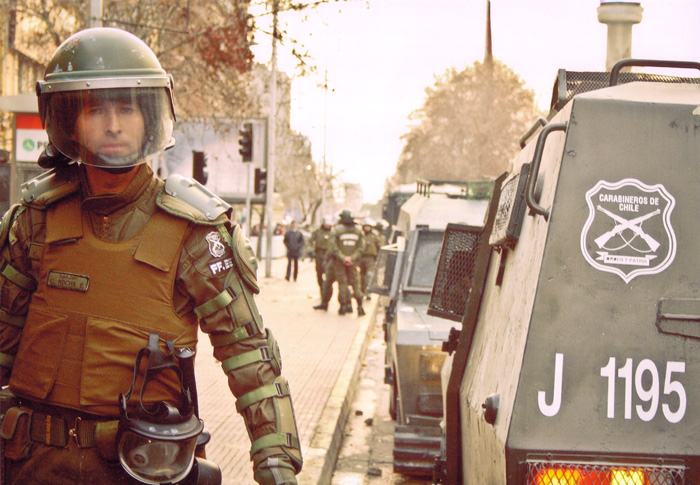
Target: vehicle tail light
<point>598,474</point>
<point>559,476</point>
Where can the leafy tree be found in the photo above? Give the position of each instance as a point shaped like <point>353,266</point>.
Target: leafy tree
<point>204,45</point>
<point>468,126</point>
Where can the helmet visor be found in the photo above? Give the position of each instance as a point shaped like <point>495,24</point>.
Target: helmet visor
<point>156,461</point>
<point>110,127</point>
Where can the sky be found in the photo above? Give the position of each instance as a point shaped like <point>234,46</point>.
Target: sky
<point>379,56</point>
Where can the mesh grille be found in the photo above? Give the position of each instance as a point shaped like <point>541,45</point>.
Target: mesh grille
<point>571,83</point>
<point>384,271</point>
<point>549,473</point>
<point>455,272</point>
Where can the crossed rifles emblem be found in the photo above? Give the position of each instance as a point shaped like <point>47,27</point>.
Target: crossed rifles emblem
<point>635,225</point>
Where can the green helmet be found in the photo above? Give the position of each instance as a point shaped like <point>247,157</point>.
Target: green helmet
<point>105,99</point>
<point>346,217</point>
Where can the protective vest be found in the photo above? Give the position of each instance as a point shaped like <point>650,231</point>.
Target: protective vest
<point>348,239</point>
<point>372,244</point>
<point>95,304</point>
<point>321,239</point>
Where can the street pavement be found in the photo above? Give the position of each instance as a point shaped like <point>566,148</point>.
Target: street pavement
<point>366,455</point>
<point>321,358</point>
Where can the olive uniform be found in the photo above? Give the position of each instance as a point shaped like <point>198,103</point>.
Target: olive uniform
<point>320,242</point>
<point>346,247</point>
<point>369,257</point>
<point>86,279</point>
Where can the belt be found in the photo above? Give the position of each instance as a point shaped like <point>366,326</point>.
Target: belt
<point>56,431</point>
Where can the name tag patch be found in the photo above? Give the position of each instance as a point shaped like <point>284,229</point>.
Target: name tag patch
<point>219,266</point>
<point>68,281</point>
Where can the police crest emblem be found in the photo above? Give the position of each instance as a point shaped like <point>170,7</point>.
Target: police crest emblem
<point>216,247</point>
<point>628,231</point>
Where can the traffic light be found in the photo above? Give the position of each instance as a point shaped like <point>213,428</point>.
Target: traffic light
<point>246,142</point>
<point>199,167</point>
<point>260,180</point>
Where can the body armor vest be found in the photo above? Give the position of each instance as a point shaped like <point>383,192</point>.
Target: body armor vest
<point>95,305</point>
<point>348,239</point>
<point>372,244</point>
<point>322,240</point>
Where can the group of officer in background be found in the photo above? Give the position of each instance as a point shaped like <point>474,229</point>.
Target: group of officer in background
<point>347,254</point>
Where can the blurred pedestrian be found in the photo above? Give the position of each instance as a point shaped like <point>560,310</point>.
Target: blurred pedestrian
<point>294,242</point>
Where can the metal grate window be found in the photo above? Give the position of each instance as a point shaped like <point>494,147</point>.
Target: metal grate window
<point>384,270</point>
<point>556,473</point>
<point>453,280</point>
<point>426,259</point>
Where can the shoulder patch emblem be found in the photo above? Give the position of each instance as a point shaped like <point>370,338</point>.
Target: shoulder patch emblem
<point>216,247</point>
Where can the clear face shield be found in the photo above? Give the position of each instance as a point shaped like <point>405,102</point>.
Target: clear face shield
<point>156,443</point>
<point>113,128</point>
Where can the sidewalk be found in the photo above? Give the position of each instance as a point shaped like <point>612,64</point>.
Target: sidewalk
<point>321,359</point>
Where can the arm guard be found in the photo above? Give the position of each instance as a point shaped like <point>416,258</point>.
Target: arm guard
<point>14,287</point>
<point>251,359</point>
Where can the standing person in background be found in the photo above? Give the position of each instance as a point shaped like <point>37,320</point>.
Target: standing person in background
<point>345,250</point>
<point>103,261</point>
<point>368,258</point>
<point>320,242</point>
<point>294,242</point>
<point>382,227</point>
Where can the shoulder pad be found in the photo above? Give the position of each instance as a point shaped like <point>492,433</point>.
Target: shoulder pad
<point>51,186</point>
<point>185,197</point>
<point>7,221</point>
<point>245,257</point>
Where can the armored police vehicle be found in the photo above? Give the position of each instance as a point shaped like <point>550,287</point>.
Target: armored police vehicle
<point>579,352</point>
<point>405,272</point>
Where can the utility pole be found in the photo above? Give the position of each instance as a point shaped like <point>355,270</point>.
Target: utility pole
<point>488,55</point>
<point>323,166</point>
<point>272,119</point>
<point>95,19</point>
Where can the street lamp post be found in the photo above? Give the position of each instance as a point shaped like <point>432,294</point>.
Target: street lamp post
<point>95,19</point>
<point>269,193</point>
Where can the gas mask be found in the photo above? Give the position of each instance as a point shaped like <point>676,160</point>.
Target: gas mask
<point>156,442</point>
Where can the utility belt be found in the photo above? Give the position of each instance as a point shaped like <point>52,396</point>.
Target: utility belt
<point>57,431</point>
<point>22,425</point>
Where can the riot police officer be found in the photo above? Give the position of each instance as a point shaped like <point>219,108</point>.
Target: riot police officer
<point>345,250</point>
<point>369,254</point>
<point>100,256</point>
<point>320,242</point>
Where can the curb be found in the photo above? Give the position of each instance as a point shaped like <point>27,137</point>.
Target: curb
<point>320,456</point>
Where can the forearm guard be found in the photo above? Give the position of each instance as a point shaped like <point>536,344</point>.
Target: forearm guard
<point>251,359</point>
